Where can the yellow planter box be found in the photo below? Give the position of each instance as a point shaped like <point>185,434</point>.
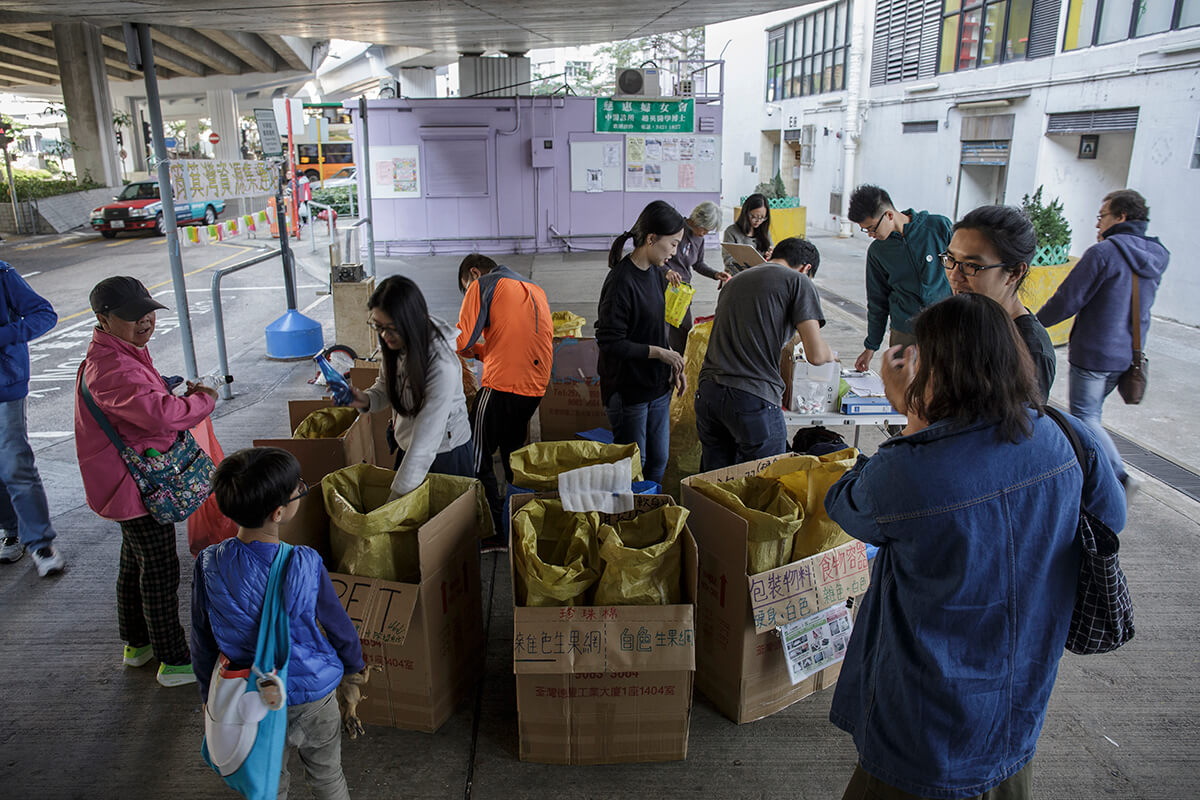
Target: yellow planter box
<point>1040,286</point>
<point>785,222</point>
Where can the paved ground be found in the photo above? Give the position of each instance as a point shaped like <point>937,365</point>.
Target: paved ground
<point>74,723</point>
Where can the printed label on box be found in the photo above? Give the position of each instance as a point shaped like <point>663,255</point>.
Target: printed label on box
<point>816,642</point>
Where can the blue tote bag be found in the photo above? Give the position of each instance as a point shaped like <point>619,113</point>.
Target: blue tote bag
<point>245,719</point>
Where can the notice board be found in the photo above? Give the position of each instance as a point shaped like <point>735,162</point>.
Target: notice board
<point>395,171</point>
<point>596,166</point>
<point>671,162</point>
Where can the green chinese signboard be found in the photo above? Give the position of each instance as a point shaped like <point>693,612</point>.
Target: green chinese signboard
<point>645,116</point>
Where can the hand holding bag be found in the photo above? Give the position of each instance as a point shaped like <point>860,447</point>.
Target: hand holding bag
<point>172,484</point>
<point>1132,383</point>
<point>1103,616</point>
<point>245,717</point>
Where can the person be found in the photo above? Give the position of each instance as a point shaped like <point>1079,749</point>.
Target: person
<point>1099,293</point>
<point>421,381</point>
<point>637,368</point>
<point>738,413</point>
<point>903,272</point>
<point>130,393</point>
<point>505,323</point>
<point>689,257</point>
<point>752,228</point>
<point>989,254</point>
<point>947,676</point>
<point>24,510</point>
<point>259,488</point>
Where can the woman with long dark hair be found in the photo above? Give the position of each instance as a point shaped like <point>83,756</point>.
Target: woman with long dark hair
<point>421,381</point>
<point>637,367</point>
<point>974,509</point>
<point>752,228</point>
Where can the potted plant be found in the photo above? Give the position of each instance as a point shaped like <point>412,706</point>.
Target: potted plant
<point>1051,262</point>
<point>788,217</point>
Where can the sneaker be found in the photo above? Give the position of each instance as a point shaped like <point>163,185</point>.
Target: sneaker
<point>11,550</point>
<point>176,674</point>
<point>137,656</point>
<point>48,560</point>
<point>493,544</point>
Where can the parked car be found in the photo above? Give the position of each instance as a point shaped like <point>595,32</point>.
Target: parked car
<point>343,177</point>
<point>139,206</point>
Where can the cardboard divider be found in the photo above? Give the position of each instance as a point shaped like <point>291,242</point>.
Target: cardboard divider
<point>362,376</point>
<point>572,402</point>
<point>319,457</point>
<point>606,684</point>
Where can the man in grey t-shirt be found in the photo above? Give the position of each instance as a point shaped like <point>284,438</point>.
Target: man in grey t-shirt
<point>738,412</point>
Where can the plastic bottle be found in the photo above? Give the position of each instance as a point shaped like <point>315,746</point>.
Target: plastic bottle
<point>343,395</point>
<point>213,380</point>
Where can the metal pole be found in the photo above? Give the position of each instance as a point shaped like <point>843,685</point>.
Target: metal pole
<point>12,189</point>
<point>285,250</point>
<point>366,168</point>
<point>219,317</point>
<point>167,197</point>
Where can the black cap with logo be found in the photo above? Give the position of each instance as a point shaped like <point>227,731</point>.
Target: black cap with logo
<point>123,297</point>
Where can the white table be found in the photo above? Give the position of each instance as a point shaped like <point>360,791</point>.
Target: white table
<point>834,420</point>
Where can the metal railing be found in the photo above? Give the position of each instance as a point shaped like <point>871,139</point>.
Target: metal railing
<point>219,316</point>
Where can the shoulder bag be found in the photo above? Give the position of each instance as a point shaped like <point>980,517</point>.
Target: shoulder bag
<point>245,716</point>
<point>1132,383</point>
<point>1103,616</point>
<point>172,484</point>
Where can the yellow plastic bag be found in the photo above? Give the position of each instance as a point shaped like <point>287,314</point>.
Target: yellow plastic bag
<point>678,299</point>
<point>642,559</point>
<point>372,538</point>
<point>555,554</point>
<point>567,324</point>
<point>537,466</point>
<point>807,479</point>
<point>326,423</point>
<point>773,515</point>
<point>684,457</point>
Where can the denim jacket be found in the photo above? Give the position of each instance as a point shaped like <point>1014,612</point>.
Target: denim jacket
<point>950,667</point>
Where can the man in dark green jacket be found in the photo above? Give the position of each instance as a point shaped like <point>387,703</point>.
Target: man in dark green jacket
<point>904,274</point>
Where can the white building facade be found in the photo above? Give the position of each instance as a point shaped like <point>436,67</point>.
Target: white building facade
<point>952,104</point>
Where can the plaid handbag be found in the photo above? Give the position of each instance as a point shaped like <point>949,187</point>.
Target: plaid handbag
<point>172,484</point>
<point>1103,616</point>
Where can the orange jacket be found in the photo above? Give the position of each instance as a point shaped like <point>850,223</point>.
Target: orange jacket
<point>517,345</point>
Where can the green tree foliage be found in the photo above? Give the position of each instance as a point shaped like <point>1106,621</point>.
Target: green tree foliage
<point>664,50</point>
<point>1051,226</point>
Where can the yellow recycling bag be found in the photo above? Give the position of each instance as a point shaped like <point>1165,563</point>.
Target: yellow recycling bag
<point>326,423</point>
<point>537,466</point>
<point>555,554</point>
<point>773,515</point>
<point>678,299</point>
<point>807,479</point>
<point>684,457</point>
<point>642,559</point>
<point>567,324</point>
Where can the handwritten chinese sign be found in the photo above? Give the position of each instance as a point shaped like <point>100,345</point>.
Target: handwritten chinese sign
<point>794,591</point>
<point>195,181</point>
<point>603,639</point>
<point>645,116</point>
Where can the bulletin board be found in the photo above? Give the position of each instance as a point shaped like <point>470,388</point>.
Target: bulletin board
<point>396,171</point>
<point>597,166</point>
<point>666,162</point>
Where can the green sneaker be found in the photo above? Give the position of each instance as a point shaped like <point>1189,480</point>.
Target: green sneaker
<point>176,674</point>
<point>137,656</point>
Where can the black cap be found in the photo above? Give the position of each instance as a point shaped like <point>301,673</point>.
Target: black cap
<point>123,297</point>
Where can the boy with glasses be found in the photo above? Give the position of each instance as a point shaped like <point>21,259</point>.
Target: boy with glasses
<point>904,274</point>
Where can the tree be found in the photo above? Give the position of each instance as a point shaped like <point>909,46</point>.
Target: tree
<point>663,50</point>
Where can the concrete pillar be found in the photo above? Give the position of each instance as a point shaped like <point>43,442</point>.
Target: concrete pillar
<point>418,81</point>
<point>85,95</point>
<point>192,131</point>
<point>223,116</point>
<point>134,140</point>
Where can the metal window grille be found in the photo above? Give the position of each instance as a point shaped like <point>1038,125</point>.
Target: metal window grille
<point>905,46</point>
<point>923,126</point>
<point>1111,121</point>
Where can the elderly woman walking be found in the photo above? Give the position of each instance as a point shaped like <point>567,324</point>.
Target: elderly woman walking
<point>689,257</point>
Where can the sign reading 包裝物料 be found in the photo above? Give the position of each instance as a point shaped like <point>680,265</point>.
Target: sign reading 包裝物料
<point>668,115</point>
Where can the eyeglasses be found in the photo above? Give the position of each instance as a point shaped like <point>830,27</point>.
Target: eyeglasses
<point>303,490</point>
<point>381,329</point>
<point>758,217</point>
<point>871,230</point>
<point>965,267</point>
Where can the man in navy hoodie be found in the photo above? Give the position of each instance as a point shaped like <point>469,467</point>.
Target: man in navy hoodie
<point>24,512</point>
<point>1099,293</point>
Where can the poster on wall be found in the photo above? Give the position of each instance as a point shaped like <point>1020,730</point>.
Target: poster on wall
<point>686,163</point>
<point>395,171</point>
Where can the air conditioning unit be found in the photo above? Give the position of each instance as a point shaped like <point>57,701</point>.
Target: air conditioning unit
<point>643,82</point>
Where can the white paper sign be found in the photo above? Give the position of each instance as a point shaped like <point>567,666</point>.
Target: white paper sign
<point>604,487</point>
<point>815,642</point>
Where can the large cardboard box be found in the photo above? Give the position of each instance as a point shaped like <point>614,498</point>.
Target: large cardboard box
<point>427,637</point>
<point>740,663</point>
<point>606,684</point>
<point>572,403</point>
<point>362,376</point>
<point>319,457</point>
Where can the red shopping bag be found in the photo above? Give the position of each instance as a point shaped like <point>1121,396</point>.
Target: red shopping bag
<point>207,525</point>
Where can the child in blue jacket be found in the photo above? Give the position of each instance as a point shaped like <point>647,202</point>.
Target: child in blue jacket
<point>260,488</point>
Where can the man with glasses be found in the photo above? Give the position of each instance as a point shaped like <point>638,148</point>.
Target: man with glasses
<point>1099,293</point>
<point>903,271</point>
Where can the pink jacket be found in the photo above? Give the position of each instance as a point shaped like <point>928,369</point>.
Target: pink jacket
<point>132,395</point>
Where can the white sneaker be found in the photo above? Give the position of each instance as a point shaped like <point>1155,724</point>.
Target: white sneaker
<point>11,550</point>
<point>49,561</point>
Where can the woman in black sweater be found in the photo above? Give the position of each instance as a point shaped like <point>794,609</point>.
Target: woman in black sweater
<point>637,367</point>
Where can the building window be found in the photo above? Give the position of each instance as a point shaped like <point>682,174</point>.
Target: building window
<point>979,33</point>
<point>924,126</point>
<point>1096,22</point>
<point>578,70</point>
<point>905,43</point>
<point>808,55</point>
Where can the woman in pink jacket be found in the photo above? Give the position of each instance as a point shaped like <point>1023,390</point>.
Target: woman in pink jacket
<point>129,391</point>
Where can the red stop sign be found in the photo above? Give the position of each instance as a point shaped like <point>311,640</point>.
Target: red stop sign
<point>214,138</point>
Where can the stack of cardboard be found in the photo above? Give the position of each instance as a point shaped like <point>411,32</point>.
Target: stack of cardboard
<point>572,403</point>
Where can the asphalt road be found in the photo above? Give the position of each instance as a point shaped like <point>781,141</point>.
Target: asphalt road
<point>64,270</point>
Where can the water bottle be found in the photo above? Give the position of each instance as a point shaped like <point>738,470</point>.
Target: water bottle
<point>213,380</point>
<point>343,395</point>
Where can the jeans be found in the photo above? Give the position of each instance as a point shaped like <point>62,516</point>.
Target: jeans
<point>647,425</point>
<point>24,511</point>
<point>315,730</point>
<point>1087,390</point>
<point>736,426</point>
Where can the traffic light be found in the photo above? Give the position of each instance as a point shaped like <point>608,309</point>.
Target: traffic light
<point>146,132</point>
<point>120,139</point>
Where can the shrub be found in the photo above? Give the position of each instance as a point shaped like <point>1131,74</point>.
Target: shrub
<point>35,184</point>
<point>337,198</point>
<point>1052,228</point>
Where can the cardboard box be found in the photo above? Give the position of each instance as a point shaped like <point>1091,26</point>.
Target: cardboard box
<point>606,684</point>
<point>426,637</point>
<point>362,376</point>
<point>572,403</point>
<point>740,663</point>
<point>319,457</point>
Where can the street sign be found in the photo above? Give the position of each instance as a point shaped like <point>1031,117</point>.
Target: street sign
<point>214,138</point>
<point>662,115</point>
<point>169,142</point>
<point>268,132</point>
